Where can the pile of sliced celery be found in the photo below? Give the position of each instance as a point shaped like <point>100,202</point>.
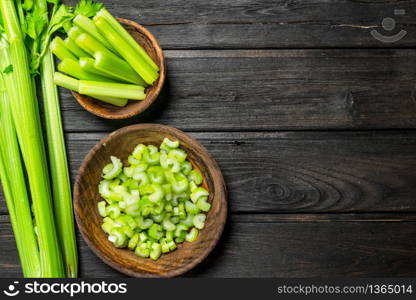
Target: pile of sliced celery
<point>102,60</point>
<point>155,202</point>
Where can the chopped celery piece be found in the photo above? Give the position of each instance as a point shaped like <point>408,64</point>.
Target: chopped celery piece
<point>118,237</point>
<point>168,225</point>
<point>74,49</point>
<point>102,208</point>
<point>142,252</point>
<point>191,208</point>
<point>155,231</point>
<point>156,251</point>
<point>112,170</point>
<point>199,193</point>
<point>203,205</point>
<point>59,48</point>
<point>137,62</point>
<point>109,89</point>
<point>192,235</point>
<point>199,221</point>
<point>133,241</point>
<point>195,176</point>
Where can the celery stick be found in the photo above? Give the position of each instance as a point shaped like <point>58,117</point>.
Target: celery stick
<point>66,81</point>
<point>88,26</point>
<point>137,62</point>
<point>61,185</point>
<point>14,187</point>
<point>27,122</point>
<point>73,84</point>
<point>60,50</point>
<point>75,32</point>
<point>77,51</point>
<point>107,62</point>
<point>88,65</point>
<point>128,39</point>
<point>127,91</point>
<point>113,68</point>
<point>72,68</point>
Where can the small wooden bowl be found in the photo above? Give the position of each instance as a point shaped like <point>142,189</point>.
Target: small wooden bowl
<point>133,107</point>
<point>121,144</point>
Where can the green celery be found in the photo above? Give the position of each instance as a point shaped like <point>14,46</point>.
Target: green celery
<point>127,91</point>
<point>60,50</point>
<point>73,84</point>
<point>61,185</point>
<point>27,122</point>
<point>72,68</point>
<point>116,68</point>
<point>128,39</point>
<point>77,51</point>
<point>14,185</point>
<point>136,61</point>
<point>106,61</point>
<point>88,26</point>
<point>75,32</point>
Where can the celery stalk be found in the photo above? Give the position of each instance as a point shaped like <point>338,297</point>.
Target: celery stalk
<point>14,187</point>
<point>75,32</point>
<point>127,91</point>
<point>60,50</point>
<point>59,167</point>
<point>88,26</point>
<point>77,51</point>
<point>138,63</point>
<point>25,115</point>
<point>66,81</point>
<point>128,39</point>
<point>106,64</point>
<point>73,84</point>
<point>104,56</point>
<point>72,68</point>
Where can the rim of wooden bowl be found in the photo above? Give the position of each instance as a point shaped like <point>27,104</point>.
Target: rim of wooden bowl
<point>133,107</point>
<point>218,184</point>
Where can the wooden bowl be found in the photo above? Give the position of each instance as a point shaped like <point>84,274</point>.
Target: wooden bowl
<point>121,144</point>
<point>133,107</point>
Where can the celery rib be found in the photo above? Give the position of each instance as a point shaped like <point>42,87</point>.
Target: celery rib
<point>127,91</point>
<point>73,85</point>
<point>138,63</point>
<point>126,36</point>
<point>27,122</point>
<point>59,167</point>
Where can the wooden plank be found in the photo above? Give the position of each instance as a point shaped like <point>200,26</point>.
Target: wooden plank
<point>276,90</point>
<point>305,171</point>
<point>268,24</point>
<point>283,246</point>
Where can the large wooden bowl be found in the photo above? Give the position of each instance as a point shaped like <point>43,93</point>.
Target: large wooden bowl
<point>121,144</point>
<point>134,107</point>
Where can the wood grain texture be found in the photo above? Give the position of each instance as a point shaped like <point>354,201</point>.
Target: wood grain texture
<point>304,171</point>
<point>133,108</point>
<point>121,144</point>
<point>283,246</point>
<point>275,90</point>
<point>181,24</point>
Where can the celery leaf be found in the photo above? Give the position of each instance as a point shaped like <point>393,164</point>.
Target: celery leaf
<point>88,8</point>
<point>8,69</point>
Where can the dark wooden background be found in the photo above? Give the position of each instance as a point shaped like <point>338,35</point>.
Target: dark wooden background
<point>311,120</point>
